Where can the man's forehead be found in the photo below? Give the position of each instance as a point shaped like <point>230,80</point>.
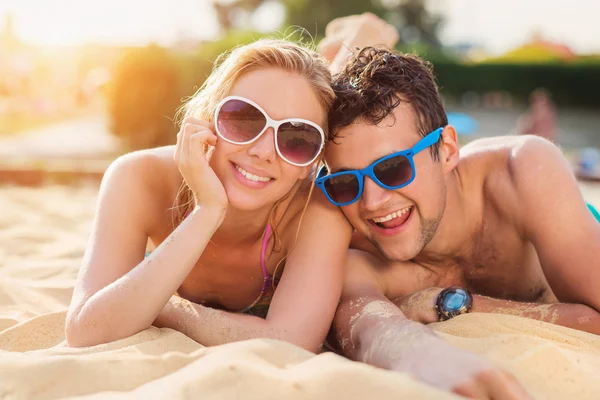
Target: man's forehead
<point>361,143</point>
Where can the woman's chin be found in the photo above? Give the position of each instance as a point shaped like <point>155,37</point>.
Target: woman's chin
<point>245,202</point>
<point>242,199</point>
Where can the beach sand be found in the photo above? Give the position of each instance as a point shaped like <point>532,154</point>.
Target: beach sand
<point>43,233</point>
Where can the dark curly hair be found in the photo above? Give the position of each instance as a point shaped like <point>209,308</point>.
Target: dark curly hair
<point>375,81</point>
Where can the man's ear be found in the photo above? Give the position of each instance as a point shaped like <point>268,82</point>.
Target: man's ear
<point>449,151</point>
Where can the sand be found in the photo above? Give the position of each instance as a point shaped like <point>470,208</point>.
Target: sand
<point>43,232</point>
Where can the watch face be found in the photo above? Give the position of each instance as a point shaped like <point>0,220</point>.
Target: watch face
<point>453,301</point>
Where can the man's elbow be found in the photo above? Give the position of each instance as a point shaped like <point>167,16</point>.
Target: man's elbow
<point>587,319</point>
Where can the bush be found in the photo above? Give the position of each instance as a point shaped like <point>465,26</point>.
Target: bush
<point>574,83</point>
<point>144,92</point>
<point>571,84</point>
<point>150,84</point>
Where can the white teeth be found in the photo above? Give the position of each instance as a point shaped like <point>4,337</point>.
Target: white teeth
<point>391,216</point>
<point>252,177</point>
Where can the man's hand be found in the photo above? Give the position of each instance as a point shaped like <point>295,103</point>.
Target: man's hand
<point>420,306</point>
<point>343,35</point>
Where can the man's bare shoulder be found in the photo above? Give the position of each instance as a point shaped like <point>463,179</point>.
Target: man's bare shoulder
<point>500,166</point>
<point>539,168</point>
<point>491,150</point>
<point>506,152</point>
<point>484,163</point>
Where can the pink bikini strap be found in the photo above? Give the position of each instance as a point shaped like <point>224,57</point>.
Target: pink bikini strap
<point>264,251</point>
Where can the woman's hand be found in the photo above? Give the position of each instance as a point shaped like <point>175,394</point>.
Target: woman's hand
<point>193,141</point>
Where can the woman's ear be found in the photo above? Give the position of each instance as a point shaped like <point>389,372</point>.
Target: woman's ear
<point>449,151</point>
<point>313,168</point>
<point>305,171</point>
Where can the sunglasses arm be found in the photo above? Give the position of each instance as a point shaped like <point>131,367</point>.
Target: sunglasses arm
<point>427,141</point>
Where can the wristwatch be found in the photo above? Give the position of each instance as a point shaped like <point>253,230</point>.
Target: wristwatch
<point>453,301</point>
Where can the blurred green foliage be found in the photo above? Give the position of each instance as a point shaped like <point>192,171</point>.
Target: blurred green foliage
<point>145,88</point>
<point>412,18</point>
<point>150,84</point>
<point>574,84</point>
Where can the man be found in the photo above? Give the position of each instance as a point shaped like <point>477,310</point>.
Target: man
<point>503,218</point>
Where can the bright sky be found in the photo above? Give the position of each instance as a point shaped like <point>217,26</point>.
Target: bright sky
<point>504,24</point>
<point>497,25</point>
<point>62,22</point>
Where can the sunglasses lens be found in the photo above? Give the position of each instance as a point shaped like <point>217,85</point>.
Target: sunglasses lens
<point>299,142</point>
<point>342,188</point>
<point>239,121</point>
<point>395,171</point>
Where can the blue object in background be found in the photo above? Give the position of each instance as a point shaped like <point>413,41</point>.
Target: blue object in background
<point>589,158</point>
<point>463,123</point>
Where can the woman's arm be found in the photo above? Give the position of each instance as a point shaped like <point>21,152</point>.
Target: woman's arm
<point>119,293</point>
<point>306,297</point>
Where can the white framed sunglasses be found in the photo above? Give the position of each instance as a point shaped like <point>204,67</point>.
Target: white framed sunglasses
<point>239,120</point>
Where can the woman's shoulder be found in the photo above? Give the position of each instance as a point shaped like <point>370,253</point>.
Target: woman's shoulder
<point>151,172</point>
<point>145,163</point>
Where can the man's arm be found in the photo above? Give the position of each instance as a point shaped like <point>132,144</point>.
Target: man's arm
<point>370,328</point>
<point>420,307</point>
<point>576,316</point>
<point>557,221</point>
<point>566,237</point>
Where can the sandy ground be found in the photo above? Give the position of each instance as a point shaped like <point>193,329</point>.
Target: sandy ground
<point>43,233</point>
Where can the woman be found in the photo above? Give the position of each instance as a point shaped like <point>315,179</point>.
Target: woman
<point>225,209</point>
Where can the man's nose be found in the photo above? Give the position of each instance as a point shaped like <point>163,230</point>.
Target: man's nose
<point>374,196</point>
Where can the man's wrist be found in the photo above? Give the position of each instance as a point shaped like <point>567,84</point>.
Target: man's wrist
<point>431,312</point>
<point>453,301</point>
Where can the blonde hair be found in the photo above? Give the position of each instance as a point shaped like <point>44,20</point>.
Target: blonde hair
<point>263,53</point>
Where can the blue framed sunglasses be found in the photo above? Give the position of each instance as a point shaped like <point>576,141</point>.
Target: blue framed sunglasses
<point>391,172</point>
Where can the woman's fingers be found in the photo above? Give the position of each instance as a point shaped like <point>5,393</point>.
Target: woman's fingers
<point>198,142</point>
<point>190,127</point>
<point>198,121</point>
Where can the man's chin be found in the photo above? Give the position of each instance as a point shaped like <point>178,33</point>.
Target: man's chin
<point>403,247</point>
<point>396,252</point>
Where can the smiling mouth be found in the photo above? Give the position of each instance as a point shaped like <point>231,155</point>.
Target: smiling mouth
<point>393,219</point>
<point>252,177</point>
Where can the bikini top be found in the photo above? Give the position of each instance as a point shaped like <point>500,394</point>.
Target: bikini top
<point>260,306</point>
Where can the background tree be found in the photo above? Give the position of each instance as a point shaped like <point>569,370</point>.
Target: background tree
<point>413,19</point>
